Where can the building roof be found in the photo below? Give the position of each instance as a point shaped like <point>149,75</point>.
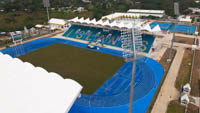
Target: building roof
<point>57,21</point>
<point>146,11</point>
<point>29,89</point>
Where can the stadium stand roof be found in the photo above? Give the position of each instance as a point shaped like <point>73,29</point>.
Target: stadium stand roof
<point>57,21</point>
<point>102,23</point>
<point>146,11</point>
<point>119,15</point>
<point>28,89</point>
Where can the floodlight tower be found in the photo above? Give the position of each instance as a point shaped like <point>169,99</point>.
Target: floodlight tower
<point>47,5</point>
<point>176,12</point>
<point>131,42</point>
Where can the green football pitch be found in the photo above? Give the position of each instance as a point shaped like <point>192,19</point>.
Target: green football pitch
<point>91,69</point>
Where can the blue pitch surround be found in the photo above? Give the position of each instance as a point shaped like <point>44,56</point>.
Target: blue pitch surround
<point>113,95</point>
<point>188,29</point>
<point>163,26</point>
<point>184,29</point>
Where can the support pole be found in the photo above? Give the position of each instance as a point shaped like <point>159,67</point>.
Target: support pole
<point>133,74</point>
<point>172,43</point>
<point>47,13</point>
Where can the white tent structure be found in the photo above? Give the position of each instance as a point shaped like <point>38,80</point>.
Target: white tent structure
<point>114,24</point>
<point>28,89</point>
<point>187,88</point>
<point>156,29</point>
<point>100,22</point>
<point>74,19</point>
<point>93,21</point>
<point>147,28</point>
<point>57,23</point>
<point>81,20</point>
<point>185,99</point>
<point>106,23</point>
<point>87,21</point>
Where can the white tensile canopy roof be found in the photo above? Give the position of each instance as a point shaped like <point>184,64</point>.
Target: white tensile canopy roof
<point>122,25</point>
<point>114,24</point>
<point>147,27</point>
<point>100,22</point>
<point>39,26</point>
<point>187,86</point>
<point>87,21</point>
<point>74,19</point>
<point>93,21</point>
<point>81,20</point>
<point>129,25</point>
<point>28,89</point>
<point>57,21</point>
<point>106,23</point>
<point>156,29</point>
<point>185,98</point>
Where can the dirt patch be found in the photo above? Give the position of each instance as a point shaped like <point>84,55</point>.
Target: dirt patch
<point>184,40</point>
<point>166,66</point>
<point>192,109</point>
<point>185,70</point>
<point>195,75</point>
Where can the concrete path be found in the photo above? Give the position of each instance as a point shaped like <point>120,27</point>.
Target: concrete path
<point>168,91</point>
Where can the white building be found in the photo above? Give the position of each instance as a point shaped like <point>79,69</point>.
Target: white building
<point>184,18</point>
<point>29,89</point>
<point>57,23</point>
<point>142,12</point>
<point>194,10</point>
<point>80,9</point>
<point>184,99</point>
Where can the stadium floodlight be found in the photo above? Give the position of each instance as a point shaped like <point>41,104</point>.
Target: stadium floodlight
<point>17,38</point>
<point>176,12</point>
<point>46,4</point>
<point>131,42</point>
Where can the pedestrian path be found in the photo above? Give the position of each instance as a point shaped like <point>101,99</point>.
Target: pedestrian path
<point>168,91</point>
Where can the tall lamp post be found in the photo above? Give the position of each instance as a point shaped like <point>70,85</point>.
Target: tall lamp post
<point>46,4</point>
<point>176,11</point>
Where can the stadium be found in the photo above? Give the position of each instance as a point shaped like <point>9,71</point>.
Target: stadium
<point>101,70</point>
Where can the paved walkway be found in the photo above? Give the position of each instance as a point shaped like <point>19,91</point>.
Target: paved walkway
<point>168,91</point>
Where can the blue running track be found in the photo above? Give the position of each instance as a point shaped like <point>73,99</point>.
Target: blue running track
<point>113,95</point>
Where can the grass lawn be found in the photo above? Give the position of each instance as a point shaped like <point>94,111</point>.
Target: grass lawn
<point>175,107</point>
<point>91,69</point>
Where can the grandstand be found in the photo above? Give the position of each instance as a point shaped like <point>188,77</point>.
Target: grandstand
<point>104,36</point>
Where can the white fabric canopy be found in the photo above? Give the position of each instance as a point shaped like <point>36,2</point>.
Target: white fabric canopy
<point>147,27</point>
<point>93,21</point>
<point>29,89</point>
<point>156,29</point>
<point>57,21</point>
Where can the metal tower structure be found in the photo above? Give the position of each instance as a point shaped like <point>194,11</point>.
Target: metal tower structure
<point>131,42</point>
<point>17,39</point>
<point>46,4</point>
<point>130,38</point>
